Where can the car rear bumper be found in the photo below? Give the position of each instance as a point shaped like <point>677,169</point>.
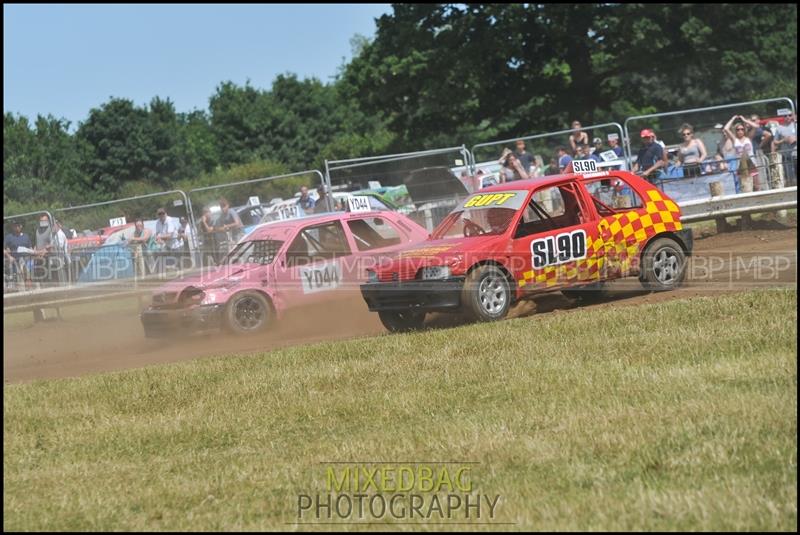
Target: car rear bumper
<point>161,323</point>
<point>429,296</point>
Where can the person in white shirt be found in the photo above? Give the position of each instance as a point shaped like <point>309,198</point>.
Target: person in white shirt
<point>61,250</point>
<point>167,233</point>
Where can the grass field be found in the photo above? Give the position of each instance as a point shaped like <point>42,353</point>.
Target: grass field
<point>677,415</point>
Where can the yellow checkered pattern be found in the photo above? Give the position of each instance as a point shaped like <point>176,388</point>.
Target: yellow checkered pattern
<point>615,243</point>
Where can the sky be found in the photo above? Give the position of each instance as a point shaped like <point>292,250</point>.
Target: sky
<point>66,59</point>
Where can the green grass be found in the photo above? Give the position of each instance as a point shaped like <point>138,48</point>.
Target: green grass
<point>677,415</point>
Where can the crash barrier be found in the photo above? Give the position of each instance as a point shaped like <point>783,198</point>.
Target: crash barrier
<point>486,156</point>
<point>707,126</point>
<point>731,175</point>
<point>254,201</point>
<point>425,185</point>
<point>738,204</point>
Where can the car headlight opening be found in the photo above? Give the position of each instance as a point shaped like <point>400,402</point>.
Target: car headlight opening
<point>435,272</point>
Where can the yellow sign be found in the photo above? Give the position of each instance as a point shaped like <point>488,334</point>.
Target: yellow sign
<point>488,199</point>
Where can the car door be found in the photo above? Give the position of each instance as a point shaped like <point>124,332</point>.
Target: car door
<point>622,222</point>
<point>556,239</point>
<point>313,266</point>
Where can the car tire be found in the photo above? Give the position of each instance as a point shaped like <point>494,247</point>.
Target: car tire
<point>590,293</point>
<point>486,295</point>
<point>402,321</point>
<point>248,312</point>
<point>663,265</point>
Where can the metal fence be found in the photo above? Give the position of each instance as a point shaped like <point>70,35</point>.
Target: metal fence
<point>253,201</point>
<point>543,148</point>
<point>425,185</point>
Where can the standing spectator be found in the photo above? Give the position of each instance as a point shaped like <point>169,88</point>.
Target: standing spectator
<point>18,261</point>
<point>61,253</point>
<point>743,147</point>
<point>228,226</point>
<point>754,130</point>
<point>775,169</point>
<point>691,152</point>
<point>650,157</point>
<point>138,244</point>
<point>306,202</point>
<point>44,246</point>
<point>186,236</point>
<point>512,167</point>
<point>786,145</point>
<point>537,169</point>
<point>167,237</point>
<point>564,160</point>
<point>208,253</point>
<point>577,137</point>
<point>321,204</point>
<point>525,158</point>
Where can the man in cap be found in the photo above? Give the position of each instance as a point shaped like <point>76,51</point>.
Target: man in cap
<point>16,260</point>
<point>596,150</point>
<point>650,157</point>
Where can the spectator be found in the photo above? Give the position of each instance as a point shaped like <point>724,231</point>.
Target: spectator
<point>525,158</point>
<point>228,226</point>
<point>208,253</point>
<point>140,242</point>
<point>321,205</point>
<point>582,152</point>
<point>650,157</point>
<point>613,143</point>
<point>512,168</point>
<point>564,160</point>
<point>305,201</point>
<point>754,130</point>
<point>552,168</point>
<point>596,150</point>
<point>18,261</point>
<point>577,137</point>
<point>61,252</point>
<point>786,145</point>
<point>537,169</point>
<point>186,236</point>
<point>775,170</point>
<point>691,153</point>
<point>44,246</point>
<point>167,238</point>
<point>743,146</point>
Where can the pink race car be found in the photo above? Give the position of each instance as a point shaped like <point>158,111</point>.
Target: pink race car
<point>277,266</point>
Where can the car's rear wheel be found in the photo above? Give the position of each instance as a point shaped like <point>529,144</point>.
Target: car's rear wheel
<point>663,265</point>
<point>402,321</point>
<point>248,313</point>
<point>486,295</point>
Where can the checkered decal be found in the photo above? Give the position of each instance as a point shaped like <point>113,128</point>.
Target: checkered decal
<point>626,234</point>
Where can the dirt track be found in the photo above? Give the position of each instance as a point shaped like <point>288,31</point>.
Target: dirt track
<point>722,263</point>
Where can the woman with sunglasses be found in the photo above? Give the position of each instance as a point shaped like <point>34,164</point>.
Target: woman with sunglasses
<point>743,146</point>
<point>691,152</point>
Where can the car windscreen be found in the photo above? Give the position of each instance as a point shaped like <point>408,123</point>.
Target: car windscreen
<point>253,252</point>
<point>482,214</point>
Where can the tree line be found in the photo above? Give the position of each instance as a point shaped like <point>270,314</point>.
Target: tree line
<point>434,75</point>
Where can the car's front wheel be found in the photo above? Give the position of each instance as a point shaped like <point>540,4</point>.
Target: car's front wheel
<point>663,265</point>
<point>248,312</point>
<point>402,321</point>
<point>486,295</point>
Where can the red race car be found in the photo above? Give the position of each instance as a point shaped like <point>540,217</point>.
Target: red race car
<point>510,241</point>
